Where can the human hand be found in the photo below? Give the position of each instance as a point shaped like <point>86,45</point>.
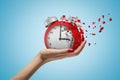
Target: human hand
<point>46,56</point>
<point>55,54</point>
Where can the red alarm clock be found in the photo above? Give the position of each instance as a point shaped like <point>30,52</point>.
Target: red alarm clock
<point>62,34</point>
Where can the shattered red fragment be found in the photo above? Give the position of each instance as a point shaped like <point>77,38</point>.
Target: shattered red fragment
<point>91,28</point>
<point>63,16</point>
<point>101,28</point>
<point>110,19</point>
<point>103,22</point>
<point>82,37</point>
<point>93,23</point>
<point>82,32</point>
<point>66,20</point>
<point>83,23</point>
<point>94,27</point>
<point>102,16</point>
<point>88,26</point>
<point>78,20</point>
<point>89,44</point>
<point>93,34</point>
<point>86,30</point>
<point>98,19</point>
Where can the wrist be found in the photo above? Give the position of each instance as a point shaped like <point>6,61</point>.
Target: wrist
<point>42,61</point>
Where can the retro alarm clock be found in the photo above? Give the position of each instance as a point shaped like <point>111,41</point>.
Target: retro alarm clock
<point>64,33</point>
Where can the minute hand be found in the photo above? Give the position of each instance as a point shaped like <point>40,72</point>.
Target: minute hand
<point>60,33</point>
<point>65,39</point>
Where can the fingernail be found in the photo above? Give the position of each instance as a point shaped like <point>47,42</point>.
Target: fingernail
<point>70,51</point>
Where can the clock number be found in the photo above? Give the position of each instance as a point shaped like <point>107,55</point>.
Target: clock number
<point>48,38</point>
<point>49,43</point>
<point>51,32</point>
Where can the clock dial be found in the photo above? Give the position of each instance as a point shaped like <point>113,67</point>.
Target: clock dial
<point>59,37</point>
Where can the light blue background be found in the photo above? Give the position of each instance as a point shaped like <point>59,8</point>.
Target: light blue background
<point>22,32</point>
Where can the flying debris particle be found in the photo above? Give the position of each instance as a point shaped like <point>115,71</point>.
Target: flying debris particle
<point>95,43</point>
<point>78,20</point>
<point>83,23</point>
<point>93,23</point>
<point>98,19</point>
<point>103,22</point>
<point>88,26</point>
<point>86,30</point>
<point>110,19</point>
<point>94,27</point>
<point>66,20</point>
<point>103,16</point>
<point>93,34</point>
<point>101,28</point>
<point>63,16</point>
<point>89,44</point>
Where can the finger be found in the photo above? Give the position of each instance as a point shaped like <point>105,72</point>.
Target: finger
<point>79,49</point>
<point>62,56</point>
<point>55,51</point>
<point>61,51</point>
<point>68,53</point>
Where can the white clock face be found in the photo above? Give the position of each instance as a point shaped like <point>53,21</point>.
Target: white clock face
<point>59,37</point>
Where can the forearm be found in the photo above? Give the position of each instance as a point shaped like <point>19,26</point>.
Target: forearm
<point>29,69</point>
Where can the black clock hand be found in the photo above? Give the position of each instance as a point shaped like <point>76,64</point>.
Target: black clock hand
<point>60,33</point>
<point>65,39</point>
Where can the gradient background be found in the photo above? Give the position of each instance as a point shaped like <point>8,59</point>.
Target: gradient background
<point>22,32</point>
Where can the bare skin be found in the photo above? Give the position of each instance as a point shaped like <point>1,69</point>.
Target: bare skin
<point>45,56</point>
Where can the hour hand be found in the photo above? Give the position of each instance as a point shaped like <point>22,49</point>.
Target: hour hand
<point>60,33</point>
<point>65,39</point>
